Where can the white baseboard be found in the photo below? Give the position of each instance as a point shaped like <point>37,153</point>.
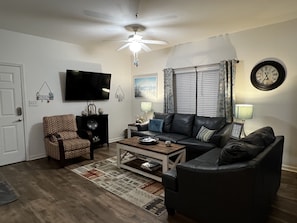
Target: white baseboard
<point>289,168</point>
<point>116,139</point>
<point>35,157</point>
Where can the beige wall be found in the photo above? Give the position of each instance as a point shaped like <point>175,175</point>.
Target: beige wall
<point>276,108</point>
<point>47,60</point>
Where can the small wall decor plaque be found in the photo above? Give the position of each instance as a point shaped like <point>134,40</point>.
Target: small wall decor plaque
<point>47,97</point>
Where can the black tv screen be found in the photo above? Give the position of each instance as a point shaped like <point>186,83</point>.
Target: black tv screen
<point>84,85</point>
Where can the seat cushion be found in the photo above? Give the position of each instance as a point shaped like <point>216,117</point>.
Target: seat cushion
<point>173,137</point>
<point>143,133</point>
<point>74,144</point>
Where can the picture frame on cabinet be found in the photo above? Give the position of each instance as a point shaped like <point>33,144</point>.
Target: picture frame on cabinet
<point>236,130</point>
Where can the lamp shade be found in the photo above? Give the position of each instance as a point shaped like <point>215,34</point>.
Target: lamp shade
<point>146,106</point>
<point>244,111</point>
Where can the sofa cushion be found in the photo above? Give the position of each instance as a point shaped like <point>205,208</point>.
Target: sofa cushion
<point>216,123</point>
<point>261,137</point>
<point>173,137</point>
<point>195,147</point>
<point>182,124</point>
<point>238,151</point>
<point>167,117</point>
<point>156,125</point>
<point>205,134</point>
<point>144,133</point>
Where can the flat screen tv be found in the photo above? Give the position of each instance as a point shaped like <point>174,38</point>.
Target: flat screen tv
<point>86,86</point>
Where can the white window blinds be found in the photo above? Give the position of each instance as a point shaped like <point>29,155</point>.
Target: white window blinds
<point>207,93</point>
<point>197,92</point>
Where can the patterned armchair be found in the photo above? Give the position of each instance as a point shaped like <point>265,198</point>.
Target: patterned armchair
<point>62,139</point>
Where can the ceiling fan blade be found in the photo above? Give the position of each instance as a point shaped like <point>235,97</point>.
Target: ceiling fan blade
<point>159,42</point>
<point>145,47</point>
<point>100,16</point>
<point>124,46</point>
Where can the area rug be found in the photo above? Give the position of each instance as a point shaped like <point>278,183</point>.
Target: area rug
<point>7,194</point>
<point>139,190</point>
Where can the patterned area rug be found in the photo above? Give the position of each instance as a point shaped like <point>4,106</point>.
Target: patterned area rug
<point>139,190</point>
<point>7,193</point>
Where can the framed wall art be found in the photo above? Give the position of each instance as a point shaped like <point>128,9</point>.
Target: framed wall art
<point>145,86</point>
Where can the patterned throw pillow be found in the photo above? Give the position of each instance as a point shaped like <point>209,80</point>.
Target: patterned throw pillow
<point>64,135</point>
<point>156,125</point>
<point>205,134</point>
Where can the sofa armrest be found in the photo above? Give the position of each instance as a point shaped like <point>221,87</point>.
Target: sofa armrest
<point>169,180</point>
<point>142,126</point>
<point>221,137</point>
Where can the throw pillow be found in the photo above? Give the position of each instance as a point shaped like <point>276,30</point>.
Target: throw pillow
<point>155,125</point>
<point>64,135</point>
<point>205,134</point>
<point>167,117</point>
<point>216,123</point>
<point>261,137</point>
<point>237,151</point>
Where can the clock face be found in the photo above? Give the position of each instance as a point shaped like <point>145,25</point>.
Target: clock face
<point>268,75</point>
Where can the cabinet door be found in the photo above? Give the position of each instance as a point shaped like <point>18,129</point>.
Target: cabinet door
<point>97,124</point>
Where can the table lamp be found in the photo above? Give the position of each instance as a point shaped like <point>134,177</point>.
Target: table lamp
<point>146,107</point>
<point>244,112</point>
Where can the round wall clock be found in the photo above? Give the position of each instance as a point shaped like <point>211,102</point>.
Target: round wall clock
<point>268,75</point>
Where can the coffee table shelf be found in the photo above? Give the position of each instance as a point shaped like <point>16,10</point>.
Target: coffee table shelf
<point>130,152</point>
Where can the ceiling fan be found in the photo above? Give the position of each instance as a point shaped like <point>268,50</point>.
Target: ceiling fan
<point>135,42</point>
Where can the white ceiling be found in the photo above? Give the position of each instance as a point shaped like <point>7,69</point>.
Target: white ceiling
<point>88,22</point>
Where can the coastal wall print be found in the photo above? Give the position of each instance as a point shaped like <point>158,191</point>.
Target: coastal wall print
<point>145,86</point>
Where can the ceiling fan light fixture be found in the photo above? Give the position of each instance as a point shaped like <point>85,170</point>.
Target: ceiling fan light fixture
<point>135,47</point>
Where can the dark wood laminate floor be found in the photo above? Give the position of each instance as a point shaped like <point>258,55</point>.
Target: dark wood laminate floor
<point>48,194</point>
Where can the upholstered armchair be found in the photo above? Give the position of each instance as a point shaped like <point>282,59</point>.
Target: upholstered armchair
<point>62,139</point>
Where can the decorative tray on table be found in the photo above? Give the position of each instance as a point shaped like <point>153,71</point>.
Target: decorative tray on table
<point>148,140</point>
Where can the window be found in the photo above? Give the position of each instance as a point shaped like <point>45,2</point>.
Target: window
<point>196,90</point>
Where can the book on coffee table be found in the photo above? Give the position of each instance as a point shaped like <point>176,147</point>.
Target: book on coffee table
<point>150,165</point>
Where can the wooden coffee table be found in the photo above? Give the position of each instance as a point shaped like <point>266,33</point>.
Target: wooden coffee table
<point>131,154</point>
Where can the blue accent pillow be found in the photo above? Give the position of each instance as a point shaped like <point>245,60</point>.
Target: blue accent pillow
<point>156,125</point>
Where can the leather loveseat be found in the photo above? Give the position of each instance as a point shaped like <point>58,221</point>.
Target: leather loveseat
<point>184,128</point>
<point>236,183</point>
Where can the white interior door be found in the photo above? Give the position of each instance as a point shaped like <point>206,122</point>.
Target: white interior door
<point>12,140</point>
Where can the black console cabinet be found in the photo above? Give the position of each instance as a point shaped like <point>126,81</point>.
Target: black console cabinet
<point>98,125</point>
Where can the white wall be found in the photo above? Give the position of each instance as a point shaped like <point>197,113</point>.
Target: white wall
<point>47,60</point>
<point>276,108</point>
